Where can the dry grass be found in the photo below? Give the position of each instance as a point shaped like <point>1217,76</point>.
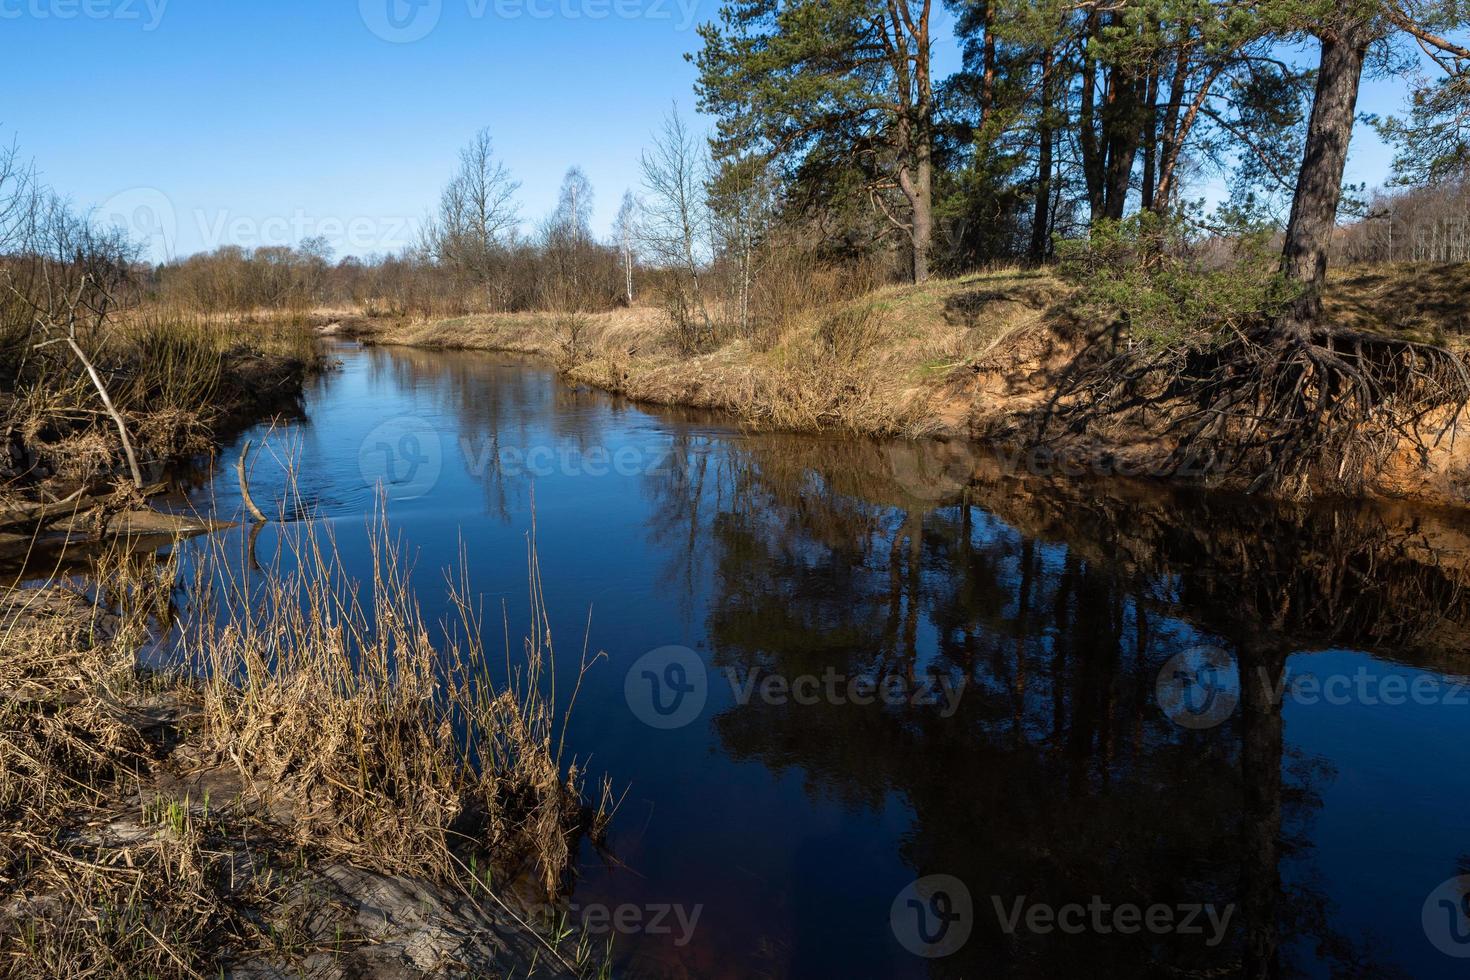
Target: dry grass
<point>319,756</point>
<point>382,745</point>
<point>1424,303</point>
<point>177,380</point>
<point>879,364</point>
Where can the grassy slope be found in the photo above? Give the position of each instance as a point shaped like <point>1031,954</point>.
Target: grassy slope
<point>877,365</point>
<point>954,357</point>
<point>1427,303</point>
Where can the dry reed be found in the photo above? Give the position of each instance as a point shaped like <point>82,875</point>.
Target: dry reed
<point>343,745</point>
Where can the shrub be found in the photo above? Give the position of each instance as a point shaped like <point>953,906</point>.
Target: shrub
<point>1148,273</point>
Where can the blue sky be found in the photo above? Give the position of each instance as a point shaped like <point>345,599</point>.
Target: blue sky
<point>207,122</point>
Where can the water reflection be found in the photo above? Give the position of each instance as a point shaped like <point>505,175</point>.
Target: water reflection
<point>1043,611</point>
<point>1055,605</point>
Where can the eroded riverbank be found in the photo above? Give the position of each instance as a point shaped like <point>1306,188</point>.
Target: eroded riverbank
<point>990,358</point>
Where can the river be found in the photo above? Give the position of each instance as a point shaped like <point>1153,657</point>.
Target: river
<point>890,710</point>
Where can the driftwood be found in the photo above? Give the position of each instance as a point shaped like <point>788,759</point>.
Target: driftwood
<point>241,473</point>
<point>80,502</point>
<point>138,531</point>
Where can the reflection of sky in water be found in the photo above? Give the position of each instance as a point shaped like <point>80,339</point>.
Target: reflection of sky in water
<point>795,826</point>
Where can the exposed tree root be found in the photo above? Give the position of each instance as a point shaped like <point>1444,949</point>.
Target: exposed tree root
<point>1292,413</point>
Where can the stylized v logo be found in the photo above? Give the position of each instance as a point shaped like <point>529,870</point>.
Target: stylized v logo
<point>408,450</point>
<point>1201,687</point>
<point>676,679</point>
<point>1459,914</point>
<point>943,912</point>
<point>402,13</point>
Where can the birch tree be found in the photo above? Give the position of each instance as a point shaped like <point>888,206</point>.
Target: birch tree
<point>477,214</point>
<point>625,233</point>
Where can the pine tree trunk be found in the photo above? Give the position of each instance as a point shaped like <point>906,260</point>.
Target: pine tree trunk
<point>923,210</point>
<point>1087,138</point>
<point>1319,185</point>
<point>987,75</point>
<point>1150,139</point>
<point>1122,124</point>
<point>1163,192</point>
<point>1040,219</point>
<point>924,205</point>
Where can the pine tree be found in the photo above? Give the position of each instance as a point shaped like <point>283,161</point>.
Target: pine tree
<point>830,83</point>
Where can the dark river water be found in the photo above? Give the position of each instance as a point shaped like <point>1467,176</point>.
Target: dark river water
<point>896,710</point>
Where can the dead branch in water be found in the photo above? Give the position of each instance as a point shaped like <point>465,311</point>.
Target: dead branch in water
<point>80,502</point>
<point>242,474</point>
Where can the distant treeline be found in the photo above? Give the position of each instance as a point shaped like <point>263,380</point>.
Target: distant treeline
<point>1420,224</point>
<point>720,256</point>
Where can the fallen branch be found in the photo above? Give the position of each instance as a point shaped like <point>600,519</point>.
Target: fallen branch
<point>244,479</point>
<point>117,419</point>
<point>49,326</point>
<point>75,503</point>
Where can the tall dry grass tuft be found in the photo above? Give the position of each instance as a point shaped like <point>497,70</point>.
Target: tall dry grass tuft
<point>340,710</point>
<point>176,380</point>
<point>61,744</point>
<point>831,375</point>
<point>793,284</point>
<point>335,733</point>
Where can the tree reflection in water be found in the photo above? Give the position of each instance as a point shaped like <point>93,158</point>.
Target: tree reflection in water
<point>1056,602</point>
<point>1058,779</point>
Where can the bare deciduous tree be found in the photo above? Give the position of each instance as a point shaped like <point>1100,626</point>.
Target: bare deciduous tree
<point>566,242</point>
<point>477,213</point>
<point>676,223</point>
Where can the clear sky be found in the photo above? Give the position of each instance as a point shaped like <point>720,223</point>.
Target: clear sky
<point>209,122</point>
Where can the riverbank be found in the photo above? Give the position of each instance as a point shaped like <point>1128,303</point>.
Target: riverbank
<point>180,387</point>
<point>302,806</point>
<point>884,365</point>
<point>147,826</point>
<point>987,357</point>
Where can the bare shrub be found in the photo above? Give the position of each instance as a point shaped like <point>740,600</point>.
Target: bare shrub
<point>571,340</point>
